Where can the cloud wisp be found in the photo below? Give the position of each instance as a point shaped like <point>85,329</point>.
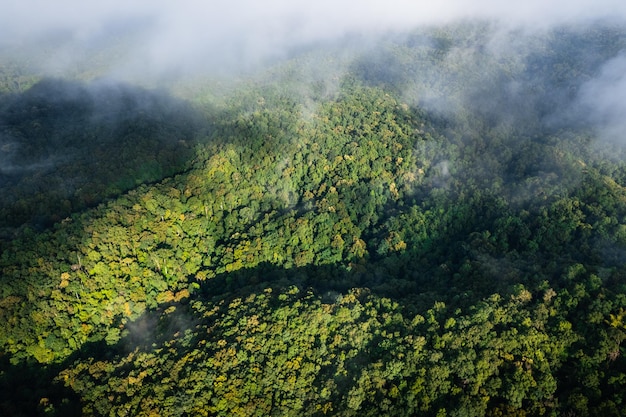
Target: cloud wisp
<point>602,100</point>
<point>171,36</point>
<point>147,41</point>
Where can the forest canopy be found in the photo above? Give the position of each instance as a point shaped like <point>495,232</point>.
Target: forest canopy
<point>432,226</point>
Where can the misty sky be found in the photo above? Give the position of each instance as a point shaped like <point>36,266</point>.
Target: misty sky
<point>178,33</point>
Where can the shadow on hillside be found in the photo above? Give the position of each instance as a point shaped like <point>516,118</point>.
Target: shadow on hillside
<point>30,389</point>
<point>66,146</point>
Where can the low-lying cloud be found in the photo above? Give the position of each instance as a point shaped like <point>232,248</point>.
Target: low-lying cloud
<point>147,40</point>
<point>234,35</point>
<point>602,100</point>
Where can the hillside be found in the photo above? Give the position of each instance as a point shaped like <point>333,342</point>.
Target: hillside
<point>432,225</point>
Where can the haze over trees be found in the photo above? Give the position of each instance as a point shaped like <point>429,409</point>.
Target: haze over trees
<point>434,225</point>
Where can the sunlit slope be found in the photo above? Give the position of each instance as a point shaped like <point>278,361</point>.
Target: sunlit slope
<point>244,205</point>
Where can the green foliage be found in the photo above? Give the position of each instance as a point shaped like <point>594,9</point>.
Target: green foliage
<point>345,253</point>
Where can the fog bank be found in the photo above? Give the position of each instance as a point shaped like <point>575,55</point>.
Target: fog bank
<point>174,36</point>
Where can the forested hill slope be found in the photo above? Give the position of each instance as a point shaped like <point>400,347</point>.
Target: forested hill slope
<point>421,233</point>
<point>66,146</point>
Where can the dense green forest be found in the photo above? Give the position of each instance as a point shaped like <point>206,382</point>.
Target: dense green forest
<point>424,227</point>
